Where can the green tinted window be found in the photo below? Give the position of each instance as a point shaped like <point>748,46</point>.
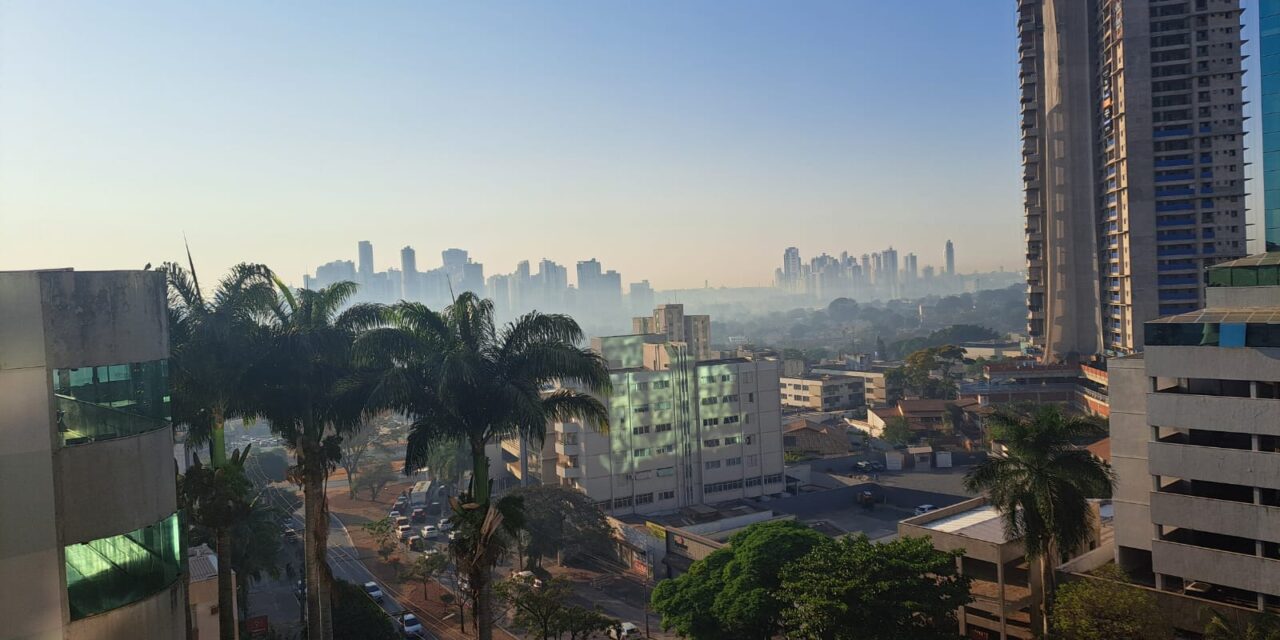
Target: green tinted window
<point>100,403</point>
<point>112,572</point>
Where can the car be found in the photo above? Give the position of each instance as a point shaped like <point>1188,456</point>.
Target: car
<point>430,531</point>
<point>625,630</point>
<point>393,515</point>
<point>445,525</point>
<point>419,515</point>
<point>412,626</point>
<point>290,535</point>
<point>527,576</point>
<point>374,591</point>
<point>402,521</point>
<point>406,532</point>
<point>416,543</point>
<point>924,508</point>
<point>862,465</point>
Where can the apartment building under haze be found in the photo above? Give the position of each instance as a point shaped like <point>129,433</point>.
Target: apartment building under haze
<point>1133,163</point>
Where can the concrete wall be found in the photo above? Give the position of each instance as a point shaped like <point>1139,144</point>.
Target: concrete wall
<point>140,492</point>
<point>1239,415</point>
<point>163,616</point>
<point>1217,567</point>
<point>1242,297</point>
<point>1210,362</point>
<point>1245,520</point>
<point>95,318</point>
<point>1232,466</point>
<point>1129,437</point>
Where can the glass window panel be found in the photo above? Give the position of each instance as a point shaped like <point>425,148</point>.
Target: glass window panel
<point>100,403</point>
<point>108,573</point>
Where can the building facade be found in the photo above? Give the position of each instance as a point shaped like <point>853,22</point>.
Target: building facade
<point>1133,163</point>
<point>683,432</point>
<point>86,450</point>
<point>823,392</point>
<point>1269,29</point>
<point>1195,442</point>
<point>670,321</point>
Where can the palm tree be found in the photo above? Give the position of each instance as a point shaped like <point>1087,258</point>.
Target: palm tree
<point>464,382</point>
<point>1043,483</point>
<point>303,383</point>
<point>213,345</point>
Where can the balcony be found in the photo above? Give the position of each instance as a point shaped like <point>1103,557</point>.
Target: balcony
<point>1215,464</point>
<point>1240,415</point>
<point>1224,568</point>
<point>111,572</point>
<point>567,467</point>
<point>568,448</point>
<point>1226,517</point>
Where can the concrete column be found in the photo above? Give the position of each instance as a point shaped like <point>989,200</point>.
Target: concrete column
<point>964,627</point>
<point>1004,606</point>
<point>1257,442</point>
<point>1160,581</point>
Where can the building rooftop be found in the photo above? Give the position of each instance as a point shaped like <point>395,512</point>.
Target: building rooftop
<point>981,523</point>
<point>1244,316</point>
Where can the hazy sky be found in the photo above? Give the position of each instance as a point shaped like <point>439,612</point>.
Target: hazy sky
<point>677,141</point>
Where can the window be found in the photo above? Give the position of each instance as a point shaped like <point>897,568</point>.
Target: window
<point>639,431</point>
<point>711,464</point>
<point>641,408</point>
<point>710,422</point>
<point>748,378</point>
<point>751,397</point>
<point>666,472</point>
<point>659,428</point>
<point>101,403</point>
<point>640,386</point>
<point>644,498</point>
<point>730,419</point>
<point>753,460</point>
<point>619,503</point>
<point>662,406</point>
<point>711,442</point>
<point>730,398</point>
<point>730,440</point>
<point>733,462</point>
<point>109,573</point>
<point>661,384</point>
<point>643,475</point>
<point>754,482</point>
<point>640,453</point>
<point>667,495</point>
<point>719,487</point>
<point>725,378</point>
<point>665,449</point>
<point>773,479</point>
<point>709,400</point>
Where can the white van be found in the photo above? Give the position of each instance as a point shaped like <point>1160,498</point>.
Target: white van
<point>627,630</point>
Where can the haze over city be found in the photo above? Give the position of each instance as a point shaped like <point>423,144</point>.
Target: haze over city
<point>518,132</point>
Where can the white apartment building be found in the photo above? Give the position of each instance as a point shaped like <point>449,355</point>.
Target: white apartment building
<point>682,432</point>
<point>669,320</point>
<point>1195,442</point>
<point>823,392</point>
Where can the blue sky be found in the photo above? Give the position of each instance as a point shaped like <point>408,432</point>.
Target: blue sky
<point>678,141</point>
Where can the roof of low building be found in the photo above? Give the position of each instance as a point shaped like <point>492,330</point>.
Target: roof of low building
<point>202,567</point>
<point>1101,449</point>
<point>980,523</point>
<point>923,405</point>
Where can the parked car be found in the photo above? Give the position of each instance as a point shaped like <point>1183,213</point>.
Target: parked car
<point>625,630</point>
<point>412,626</point>
<point>374,591</point>
<point>419,515</point>
<point>924,508</point>
<point>430,531</point>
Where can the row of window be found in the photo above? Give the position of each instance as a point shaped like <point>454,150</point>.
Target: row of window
<point>727,462</point>
<point>657,428</point>
<point>731,485</point>
<point>712,422</point>
<point>727,440</point>
<point>640,498</point>
<point>663,450</point>
<point>710,400</point>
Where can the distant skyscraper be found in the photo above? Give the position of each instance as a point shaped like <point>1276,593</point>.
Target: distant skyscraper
<point>640,296</point>
<point>1269,11</point>
<point>951,259</point>
<point>791,268</point>
<point>910,266</point>
<point>409,288</point>
<point>366,261</point>
<point>1133,163</point>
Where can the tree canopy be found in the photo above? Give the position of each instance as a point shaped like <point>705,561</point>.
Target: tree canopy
<point>732,592</point>
<point>853,589</point>
<point>1106,608</point>
<point>565,521</point>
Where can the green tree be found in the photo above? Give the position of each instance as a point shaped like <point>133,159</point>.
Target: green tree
<point>383,533</point>
<point>565,522</point>
<point>424,568</point>
<point>854,589</point>
<point>1261,627</point>
<point>463,381</point>
<point>897,431</point>
<point>536,608</point>
<point>732,592</point>
<point>306,387</point>
<point>1043,483</point>
<point>580,623</point>
<point>218,499</point>
<point>357,617</point>
<point>374,478</point>
<point>1107,607</point>
<point>214,340</point>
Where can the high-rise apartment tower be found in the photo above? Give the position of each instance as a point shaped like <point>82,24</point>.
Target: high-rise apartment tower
<point>1133,163</point>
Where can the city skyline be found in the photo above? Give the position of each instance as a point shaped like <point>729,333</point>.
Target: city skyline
<point>462,127</point>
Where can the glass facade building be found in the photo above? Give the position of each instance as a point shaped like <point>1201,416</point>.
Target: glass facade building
<point>1270,33</point>
<point>111,572</point>
<point>101,403</point>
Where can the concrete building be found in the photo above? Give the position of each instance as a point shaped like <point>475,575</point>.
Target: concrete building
<point>1005,592</point>
<point>202,592</point>
<point>684,432</point>
<point>950,258</point>
<point>809,437</point>
<point>823,392</point>
<point>365,252</point>
<point>876,388</point>
<point>670,321</point>
<point>91,545</point>
<point>1195,442</point>
<point>1133,163</point>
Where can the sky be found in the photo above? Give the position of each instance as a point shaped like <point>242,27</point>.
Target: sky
<point>684,142</point>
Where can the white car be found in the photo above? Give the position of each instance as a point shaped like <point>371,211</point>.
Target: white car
<point>430,531</point>
<point>406,532</point>
<point>445,525</point>
<point>626,630</point>
<point>412,626</point>
<point>924,508</point>
<point>373,590</point>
